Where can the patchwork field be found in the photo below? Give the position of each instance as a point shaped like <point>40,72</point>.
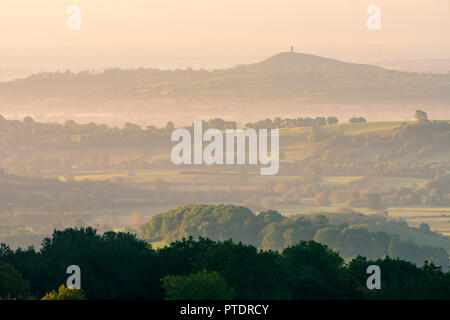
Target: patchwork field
<point>323,168</point>
<point>389,182</point>
<point>437,218</point>
<point>199,179</point>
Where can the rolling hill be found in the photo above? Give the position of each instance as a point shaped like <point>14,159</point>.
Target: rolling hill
<point>286,76</point>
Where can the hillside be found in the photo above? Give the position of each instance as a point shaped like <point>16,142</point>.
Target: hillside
<point>269,230</point>
<point>283,76</point>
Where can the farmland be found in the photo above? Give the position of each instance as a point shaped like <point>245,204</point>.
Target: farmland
<point>119,178</point>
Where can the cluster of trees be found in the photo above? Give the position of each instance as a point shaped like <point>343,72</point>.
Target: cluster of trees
<point>357,120</point>
<point>71,133</point>
<point>119,266</point>
<point>421,116</point>
<point>438,191</point>
<point>279,123</point>
<point>219,124</point>
<point>270,230</point>
<point>365,192</point>
<point>416,140</point>
<point>53,195</point>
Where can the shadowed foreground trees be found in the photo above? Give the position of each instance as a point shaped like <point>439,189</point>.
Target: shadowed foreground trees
<point>12,285</point>
<point>198,286</point>
<point>65,293</point>
<point>120,266</point>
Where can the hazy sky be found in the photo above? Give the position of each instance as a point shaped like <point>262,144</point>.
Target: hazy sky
<point>277,22</point>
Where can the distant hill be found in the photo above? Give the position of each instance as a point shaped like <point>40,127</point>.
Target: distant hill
<point>271,231</point>
<point>301,62</point>
<point>286,76</point>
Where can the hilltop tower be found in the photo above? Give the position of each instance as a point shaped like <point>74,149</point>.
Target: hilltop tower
<point>292,49</point>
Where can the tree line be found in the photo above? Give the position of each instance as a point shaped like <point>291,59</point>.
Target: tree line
<point>120,266</point>
<point>270,230</point>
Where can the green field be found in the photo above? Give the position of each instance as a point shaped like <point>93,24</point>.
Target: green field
<point>359,128</point>
<point>332,180</point>
<point>346,128</point>
<point>388,182</point>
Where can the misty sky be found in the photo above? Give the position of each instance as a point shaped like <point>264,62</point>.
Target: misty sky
<point>276,22</point>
